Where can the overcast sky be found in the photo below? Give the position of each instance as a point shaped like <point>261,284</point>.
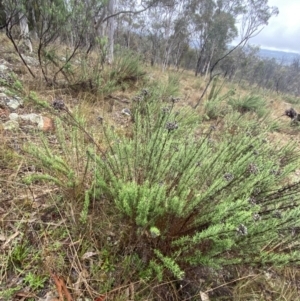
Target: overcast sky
<point>283,31</point>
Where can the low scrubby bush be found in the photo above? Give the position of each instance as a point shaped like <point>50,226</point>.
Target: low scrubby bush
<point>190,200</point>
<point>215,106</point>
<point>249,103</point>
<point>126,68</point>
<point>186,200</point>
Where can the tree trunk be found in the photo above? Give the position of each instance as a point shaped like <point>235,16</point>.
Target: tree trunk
<point>209,61</point>
<point>25,30</point>
<point>198,66</point>
<point>111,31</point>
<point>2,15</point>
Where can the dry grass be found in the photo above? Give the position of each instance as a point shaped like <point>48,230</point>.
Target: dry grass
<point>272,284</point>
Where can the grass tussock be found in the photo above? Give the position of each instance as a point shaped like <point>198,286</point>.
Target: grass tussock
<point>251,103</point>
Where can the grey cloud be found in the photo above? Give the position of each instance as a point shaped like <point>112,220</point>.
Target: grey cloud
<point>283,31</point>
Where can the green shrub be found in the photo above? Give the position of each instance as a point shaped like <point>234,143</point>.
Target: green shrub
<point>126,68</point>
<point>7,294</point>
<point>250,103</point>
<point>184,199</point>
<point>215,108</point>
<point>94,76</point>
<point>35,281</point>
<point>214,91</point>
<point>67,166</point>
<point>190,201</point>
<point>172,87</point>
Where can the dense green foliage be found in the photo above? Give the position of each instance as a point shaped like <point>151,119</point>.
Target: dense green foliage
<point>190,199</point>
<point>250,103</point>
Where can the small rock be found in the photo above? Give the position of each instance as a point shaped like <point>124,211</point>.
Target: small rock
<point>11,125</point>
<point>126,112</point>
<point>3,67</point>
<point>13,116</point>
<point>3,95</point>
<point>34,118</point>
<point>30,60</point>
<point>4,62</point>
<point>204,296</point>
<point>46,124</point>
<point>4,113</point>
<point>14,103</point>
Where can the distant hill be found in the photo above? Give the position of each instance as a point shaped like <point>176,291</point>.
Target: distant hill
<point>279,56</point>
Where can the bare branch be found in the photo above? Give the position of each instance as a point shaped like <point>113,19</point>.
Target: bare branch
<point>130,11</point>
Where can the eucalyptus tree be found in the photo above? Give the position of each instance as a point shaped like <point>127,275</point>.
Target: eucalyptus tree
<point>163,29</point>
<point>2,15</point>
<point>174,30</point>
<point>252,18</point>
<point>244,18</point>
<point>76,23</point>
<point>213,27</point>
<point>240,63</point>
<point>127,8</point>
<point>12,13</point>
